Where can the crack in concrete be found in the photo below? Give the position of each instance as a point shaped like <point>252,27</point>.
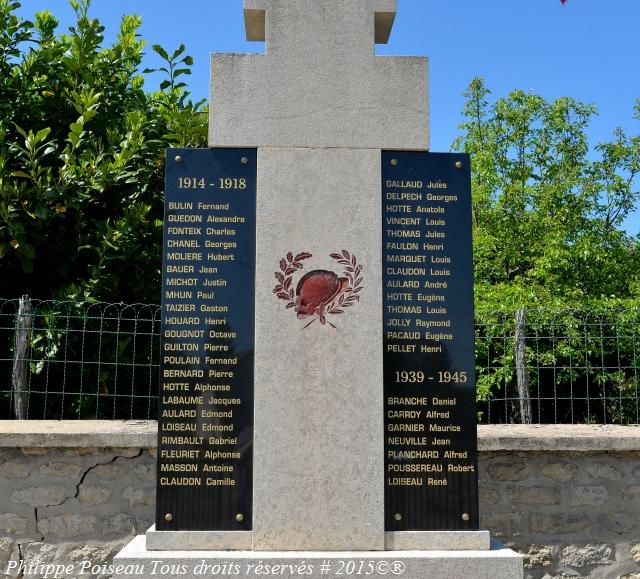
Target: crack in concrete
<point>86,472</point>
<point>35,513</point>
<point>21,560</point>
<point>79,484</point>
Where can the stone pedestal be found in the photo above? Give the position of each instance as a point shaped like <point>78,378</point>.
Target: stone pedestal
<point>136,562</point>
<point>244,540</point>
<point>320,106</point>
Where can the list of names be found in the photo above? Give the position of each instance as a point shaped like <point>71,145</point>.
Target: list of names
<point>430,438</point>
<point>206,384</point>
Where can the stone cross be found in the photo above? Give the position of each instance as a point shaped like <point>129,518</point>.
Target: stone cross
<point>319,106</point>
<point>319,82</point>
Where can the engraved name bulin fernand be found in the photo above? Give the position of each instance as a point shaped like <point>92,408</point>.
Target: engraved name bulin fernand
<point>320,293</point>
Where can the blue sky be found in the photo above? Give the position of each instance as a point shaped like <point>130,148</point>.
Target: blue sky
<point>587,49</point>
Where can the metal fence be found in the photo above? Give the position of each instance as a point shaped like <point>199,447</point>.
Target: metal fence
<point>62,360</point>
<point>99,360</point>
<point>559,366</point>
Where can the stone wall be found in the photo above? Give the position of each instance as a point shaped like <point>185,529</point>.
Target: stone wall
<point>567,497</point>
<point>570,514</point>
<point>73,491</point>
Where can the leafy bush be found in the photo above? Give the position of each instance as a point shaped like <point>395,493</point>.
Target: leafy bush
<point>82,149</point>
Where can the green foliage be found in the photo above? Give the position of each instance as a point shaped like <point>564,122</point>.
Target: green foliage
<point>547,216</point>
<point>582,365</point>
<point>82,157</point>
<point>86,360</point>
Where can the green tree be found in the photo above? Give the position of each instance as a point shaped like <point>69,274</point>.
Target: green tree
<point>547,216</point>
<point>82,156</point>
<point>547,209</point>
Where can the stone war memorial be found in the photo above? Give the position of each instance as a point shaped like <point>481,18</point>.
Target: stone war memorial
<point>317,412</point>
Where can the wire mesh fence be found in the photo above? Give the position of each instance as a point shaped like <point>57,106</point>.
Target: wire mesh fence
<point>63,360</point>
<point>88,360</point>
<point>559,367</point>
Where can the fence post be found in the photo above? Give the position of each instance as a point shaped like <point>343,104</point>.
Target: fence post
<point>522,376</point>
<point>19,375</point>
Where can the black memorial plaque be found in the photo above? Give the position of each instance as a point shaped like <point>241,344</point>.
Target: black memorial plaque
<point>429,384</point>
<point>205,422</point>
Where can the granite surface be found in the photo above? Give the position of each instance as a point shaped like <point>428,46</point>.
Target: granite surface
<point>318,445</point>
<point>319,84</point>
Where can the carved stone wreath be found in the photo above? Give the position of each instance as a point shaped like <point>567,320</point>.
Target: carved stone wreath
<point>319,293</point>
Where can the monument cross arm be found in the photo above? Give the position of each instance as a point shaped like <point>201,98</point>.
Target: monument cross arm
<point>319,83</point>
<point>384,14</point>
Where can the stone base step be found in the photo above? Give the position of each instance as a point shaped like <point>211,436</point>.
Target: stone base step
<point>136,562</point>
